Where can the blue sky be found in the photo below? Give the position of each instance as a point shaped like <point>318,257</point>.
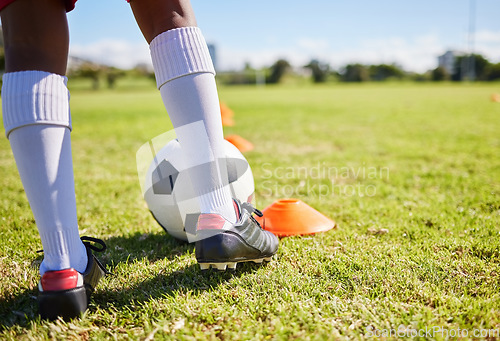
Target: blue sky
<point>410,33</point>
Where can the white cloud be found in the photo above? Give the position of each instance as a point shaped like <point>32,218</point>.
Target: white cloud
<point>418,53</point>
<point>119,53</point>
<point>313,44</point>
<point>234,59</point>
<point>488,37</point>
<point>487,43</point>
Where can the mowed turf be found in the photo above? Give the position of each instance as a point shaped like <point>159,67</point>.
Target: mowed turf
<point>409,172</point>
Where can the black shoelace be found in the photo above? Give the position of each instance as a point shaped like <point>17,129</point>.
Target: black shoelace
<point>252,210</point>
<point>87,241</point>
<point>91,242</point>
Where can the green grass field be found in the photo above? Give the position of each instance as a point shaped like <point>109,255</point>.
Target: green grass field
<point>409,172</point>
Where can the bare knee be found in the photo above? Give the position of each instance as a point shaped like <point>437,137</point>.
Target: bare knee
<point>35,36</point>
<point>157,16</point>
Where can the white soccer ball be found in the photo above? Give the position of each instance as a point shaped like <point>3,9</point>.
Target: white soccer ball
<point>169,193</point>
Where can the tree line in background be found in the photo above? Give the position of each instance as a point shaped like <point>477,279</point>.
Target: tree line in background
<point>108,74</point>
<point>95,73</point>
<point>318,71</point>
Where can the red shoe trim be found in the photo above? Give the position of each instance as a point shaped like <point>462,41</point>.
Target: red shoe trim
<point>59,280</point>
<point>238,213</point>
<point>210,221</point>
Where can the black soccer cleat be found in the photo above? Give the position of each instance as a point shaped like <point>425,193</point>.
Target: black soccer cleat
<point>66,293</point>
<point>222,245</point>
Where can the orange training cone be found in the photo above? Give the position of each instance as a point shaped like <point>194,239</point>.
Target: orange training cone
<point>226,115</point>
<point>290,217</point>
<point>495,98</point>
<point>240,143</point>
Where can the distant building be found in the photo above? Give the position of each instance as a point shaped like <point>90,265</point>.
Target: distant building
<point>213,54</point>
<point>447,60</point>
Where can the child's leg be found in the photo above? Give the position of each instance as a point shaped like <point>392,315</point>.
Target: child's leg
<point>226,231</point>
<point>35,102</point>
<point>186,79</point>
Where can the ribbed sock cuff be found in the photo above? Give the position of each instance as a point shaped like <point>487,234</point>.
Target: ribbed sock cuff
<point>34,97</point>
<point>179,52</point>
<point>63,249</point>
<point>218,200</point>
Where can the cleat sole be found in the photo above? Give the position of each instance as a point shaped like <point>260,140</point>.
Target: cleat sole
<point>223,266</point>
<point>204,266</point>
<point>220,266</point>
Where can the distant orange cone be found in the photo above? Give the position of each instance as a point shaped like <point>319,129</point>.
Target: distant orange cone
<point>226,115</point>
<point>495,98</point>
<point>291,217</point>
<point>240,143</point>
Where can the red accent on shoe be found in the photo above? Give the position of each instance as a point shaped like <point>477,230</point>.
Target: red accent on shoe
<point>238,213</point>
<point>210,221</point>
<point>59,280</point>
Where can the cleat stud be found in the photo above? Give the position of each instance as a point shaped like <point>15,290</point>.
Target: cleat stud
<point>220,266</point>
<point>258,261</point>
<point>204,266</point>
<point>268,259</point>
<point>231,266</point>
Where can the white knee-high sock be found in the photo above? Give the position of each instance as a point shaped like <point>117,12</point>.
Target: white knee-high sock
<point>186,78</point>
<point>37,122</point>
